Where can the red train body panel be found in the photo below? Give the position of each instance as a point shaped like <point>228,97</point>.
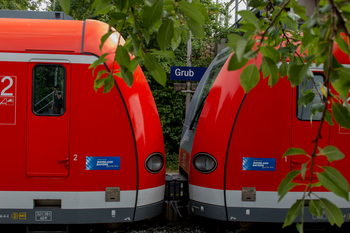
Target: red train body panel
<point>233,142</point>
<point>87,163</point>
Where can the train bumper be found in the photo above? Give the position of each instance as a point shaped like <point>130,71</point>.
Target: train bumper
<point>79,216</point>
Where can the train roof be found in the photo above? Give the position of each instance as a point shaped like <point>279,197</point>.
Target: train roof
<point>54,36</point>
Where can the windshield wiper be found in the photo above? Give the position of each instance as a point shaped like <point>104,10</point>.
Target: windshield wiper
<point>199,110</point>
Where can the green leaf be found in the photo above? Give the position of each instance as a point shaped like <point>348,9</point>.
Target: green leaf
<point>165,34</point>
<point>234,64</point>
<point>270,52</point>
<point>175,42</point>
<point>192,12</point>
<point>332,153</point>
<point>342,84</point>
<point>251,54</point>
<point>150,62</point>
<point>103,8</point>
<point>132,2</point>
<point>328,118</point>
<point>292,21</point>
<point>99,61</point>
<point>136,42</point>
<point>303,170</point>
<point>334,214</point>
<point>196,29</point>
<point>65,4</point>
<point>269,68</point>
<point>249,17</point>
<point>108,83</point>
<point>293,212</point>
<point>334,181</point>
<point>98,83</point>
<point>146,35</point>
<point>294,151</point>
<point>118,16</point>
<point>149,3</point>
<point>316,108</point>
<point>249,77</point>
<point>104,38</point>
<point>122,57</point>
<point>343,45</point>
<point>120,4</point>
<point>202,9</point>
<point>159,75</point>
<point>134,63</point>
<point>152,14</point>
<point>240,48</point>
<point>128,77</point>
<point>283,69</point>
<point>315,208</point>
<point>257,3</point>
<point>313,20</point>
<point>297,73</point>
<point>167,54</point>
<point>232,40</point>
<point>300,227</point>
<point>185,34</point>
<point>286,184</point>
<point>341,115</point>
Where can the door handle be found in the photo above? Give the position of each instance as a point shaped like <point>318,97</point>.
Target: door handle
<point>65,160</point>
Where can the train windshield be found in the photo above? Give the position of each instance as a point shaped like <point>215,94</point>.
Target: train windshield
<point>204,87</point>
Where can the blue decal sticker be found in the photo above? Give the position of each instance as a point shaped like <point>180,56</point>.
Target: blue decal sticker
<point>258,164</point>
<point>102,163</point>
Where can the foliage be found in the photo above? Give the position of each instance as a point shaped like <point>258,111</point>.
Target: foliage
<point>18,5</point>
<point>277,38</point>
<point>137,20</point>
<point>164,53</point>
<point>171,104</point>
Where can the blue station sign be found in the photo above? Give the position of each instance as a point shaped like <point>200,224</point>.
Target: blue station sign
<point>185,73</point>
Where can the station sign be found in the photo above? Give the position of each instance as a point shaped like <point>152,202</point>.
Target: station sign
<point>185,73</point>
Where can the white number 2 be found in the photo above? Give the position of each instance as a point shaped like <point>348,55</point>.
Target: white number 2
<point>3,93</point>
<point>75,157</point>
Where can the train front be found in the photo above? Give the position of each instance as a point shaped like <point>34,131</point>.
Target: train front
<point>146,134</point>
<point>206,136</point>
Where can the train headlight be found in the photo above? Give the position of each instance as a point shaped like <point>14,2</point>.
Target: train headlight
<point>154,163</point>
<point>204,163</point>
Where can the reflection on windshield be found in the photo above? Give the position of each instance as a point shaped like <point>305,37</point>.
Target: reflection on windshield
<point>208,78</point>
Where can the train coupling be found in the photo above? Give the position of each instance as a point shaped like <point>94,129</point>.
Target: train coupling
<point>176,197</point>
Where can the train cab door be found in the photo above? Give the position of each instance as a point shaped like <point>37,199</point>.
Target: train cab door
<point>48,118</point>
<point>303,131</point>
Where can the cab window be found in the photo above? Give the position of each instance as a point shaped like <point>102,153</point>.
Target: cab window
<point>49,90</point>
<point>304,112</point>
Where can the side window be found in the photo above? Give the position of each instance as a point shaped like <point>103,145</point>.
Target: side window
<point>49,90</point>
<point>304,112</point>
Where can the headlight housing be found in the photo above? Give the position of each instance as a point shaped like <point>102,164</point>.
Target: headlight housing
<point>154,163</point>
<point>204,163</point>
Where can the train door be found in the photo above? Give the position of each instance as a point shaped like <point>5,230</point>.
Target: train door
<point>48,119</point>
<point>304,131</point>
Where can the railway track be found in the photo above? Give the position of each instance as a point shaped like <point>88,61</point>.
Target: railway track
<point>159,225</point>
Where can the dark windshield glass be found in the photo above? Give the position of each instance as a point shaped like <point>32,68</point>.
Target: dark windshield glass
<point>205,85</point>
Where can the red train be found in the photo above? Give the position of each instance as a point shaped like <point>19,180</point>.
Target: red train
<point>69,154</point>
<point>233,142</point>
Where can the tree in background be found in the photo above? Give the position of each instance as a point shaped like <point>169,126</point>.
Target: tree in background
<point>19,5</point>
